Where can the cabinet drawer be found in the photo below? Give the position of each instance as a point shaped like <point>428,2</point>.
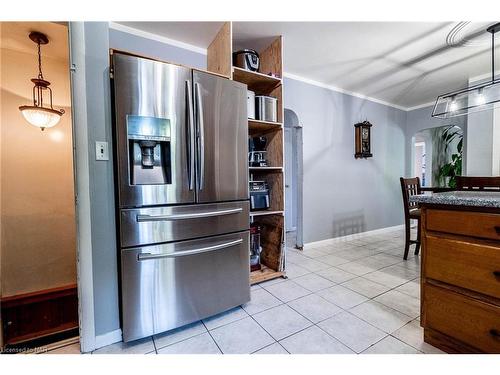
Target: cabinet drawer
<point>473,224</point>
<point>469,265</point>
<point>151,225</point>
<point>473,322</point>
<point>167,286</point>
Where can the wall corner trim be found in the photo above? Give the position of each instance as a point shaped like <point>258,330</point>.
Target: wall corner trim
<point>354,236</point>
<point>108,338</point>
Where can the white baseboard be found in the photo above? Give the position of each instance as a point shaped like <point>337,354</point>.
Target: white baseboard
<point>333,240</point>
<point>108,338</point>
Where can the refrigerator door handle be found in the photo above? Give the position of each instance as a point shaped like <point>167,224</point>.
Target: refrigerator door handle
<point>197,215</point>
<point>149,256</point>
<point>201,136</point>
<point>190,135</point>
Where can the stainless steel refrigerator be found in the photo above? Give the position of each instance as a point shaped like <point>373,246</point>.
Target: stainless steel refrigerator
<point>182,188</point>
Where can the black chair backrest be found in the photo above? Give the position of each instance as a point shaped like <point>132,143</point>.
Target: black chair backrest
<point>409,187</point>
<point>478,183</point>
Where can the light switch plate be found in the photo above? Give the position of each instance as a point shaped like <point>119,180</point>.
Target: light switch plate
<point>101,151</point>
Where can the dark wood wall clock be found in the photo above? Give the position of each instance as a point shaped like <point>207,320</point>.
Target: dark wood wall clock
<point>362,140</point>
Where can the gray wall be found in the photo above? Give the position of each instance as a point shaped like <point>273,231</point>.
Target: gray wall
<point>479,148</point>
<point>98,39</point>
<point>420,119</point>
<point>154,49</point>
<point>104,253</point>
<point>343,195</point>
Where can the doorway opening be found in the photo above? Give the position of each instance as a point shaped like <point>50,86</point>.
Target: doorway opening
<point>38,249</point>
<point>293,180</point>
<point>437,155</point>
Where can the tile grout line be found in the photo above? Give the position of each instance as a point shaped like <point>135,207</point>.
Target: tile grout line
<point>267,346</point>
<point>177,342</point>
<point>154,344</point>
<point>210,334</point>
<point>339,340</point>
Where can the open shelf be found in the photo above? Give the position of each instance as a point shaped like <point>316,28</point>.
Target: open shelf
<point>264,274</point>
<point>266,169</point>
<point>265,212</point>
<point>261,127</point>
<point>255,81</point>
<point>274,149</point>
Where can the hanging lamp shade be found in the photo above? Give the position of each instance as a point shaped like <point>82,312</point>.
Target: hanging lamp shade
<point>476,98</point>
<point>37,114</point>
<point>479,97</point>
<point>40,117</point>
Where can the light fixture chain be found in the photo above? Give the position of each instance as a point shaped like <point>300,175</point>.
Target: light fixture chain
<point>40,74</point>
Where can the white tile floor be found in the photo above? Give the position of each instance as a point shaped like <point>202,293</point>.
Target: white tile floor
<point>355,296</point>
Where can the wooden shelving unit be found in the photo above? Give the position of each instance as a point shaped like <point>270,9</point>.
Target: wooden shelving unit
<point>265,82</point>
<point>258,127</point>
<point>266,212</point>
<point>264,274</point>
<point>266,169</point>
<point>255,81</point>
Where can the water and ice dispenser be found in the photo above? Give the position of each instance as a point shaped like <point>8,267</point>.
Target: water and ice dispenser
<point>149,150</point>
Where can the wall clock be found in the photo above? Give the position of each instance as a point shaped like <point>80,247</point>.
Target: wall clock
<point>362,140</point>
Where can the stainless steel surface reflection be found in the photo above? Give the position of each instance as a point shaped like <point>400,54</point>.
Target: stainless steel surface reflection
<point>174,284</point>
<point>161,224</point>
<point>181,144</point>
<point>151,90</point>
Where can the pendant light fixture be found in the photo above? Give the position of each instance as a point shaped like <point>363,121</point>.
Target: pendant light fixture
<point>475,98</point>
<point>37,114</point>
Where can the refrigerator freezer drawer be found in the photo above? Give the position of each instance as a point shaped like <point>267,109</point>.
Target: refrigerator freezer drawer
<point>164,224</point>
<point>170,285</point>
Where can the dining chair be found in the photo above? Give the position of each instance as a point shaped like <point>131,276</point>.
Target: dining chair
<point>409,187</point>
<point>478,183</point>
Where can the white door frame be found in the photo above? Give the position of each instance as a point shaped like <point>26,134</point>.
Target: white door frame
<point>82,186</point>
<point>297,141</point>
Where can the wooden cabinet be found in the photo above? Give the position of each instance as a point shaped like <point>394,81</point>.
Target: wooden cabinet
<point>468,320</point>
<point>461,279</point>
<point>471,224</point>
<point>469,265</point>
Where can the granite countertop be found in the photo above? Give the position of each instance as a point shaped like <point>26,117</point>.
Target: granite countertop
<point>460,198</point>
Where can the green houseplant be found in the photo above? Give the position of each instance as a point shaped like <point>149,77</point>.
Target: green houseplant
<point>453,168</point>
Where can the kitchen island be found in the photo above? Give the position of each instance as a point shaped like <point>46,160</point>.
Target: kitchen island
<point>460,277</point>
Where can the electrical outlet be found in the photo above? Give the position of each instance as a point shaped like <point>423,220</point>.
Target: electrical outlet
<point>101,151</point>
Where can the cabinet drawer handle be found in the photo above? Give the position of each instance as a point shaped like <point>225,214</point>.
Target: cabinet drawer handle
<point>495,333</point>
<point>496,273</point>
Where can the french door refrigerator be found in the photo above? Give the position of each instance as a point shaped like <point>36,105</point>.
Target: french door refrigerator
<point>182,194</point>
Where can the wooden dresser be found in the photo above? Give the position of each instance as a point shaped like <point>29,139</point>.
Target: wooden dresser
<point>460,280</point>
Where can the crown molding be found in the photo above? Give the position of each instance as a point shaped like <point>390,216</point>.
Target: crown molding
<point>340,90</point>
<point>156,37</point>
<point>421,106</point>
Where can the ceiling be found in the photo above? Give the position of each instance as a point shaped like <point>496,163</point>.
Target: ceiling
<point>14,36</point>
<point>403,63</point>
